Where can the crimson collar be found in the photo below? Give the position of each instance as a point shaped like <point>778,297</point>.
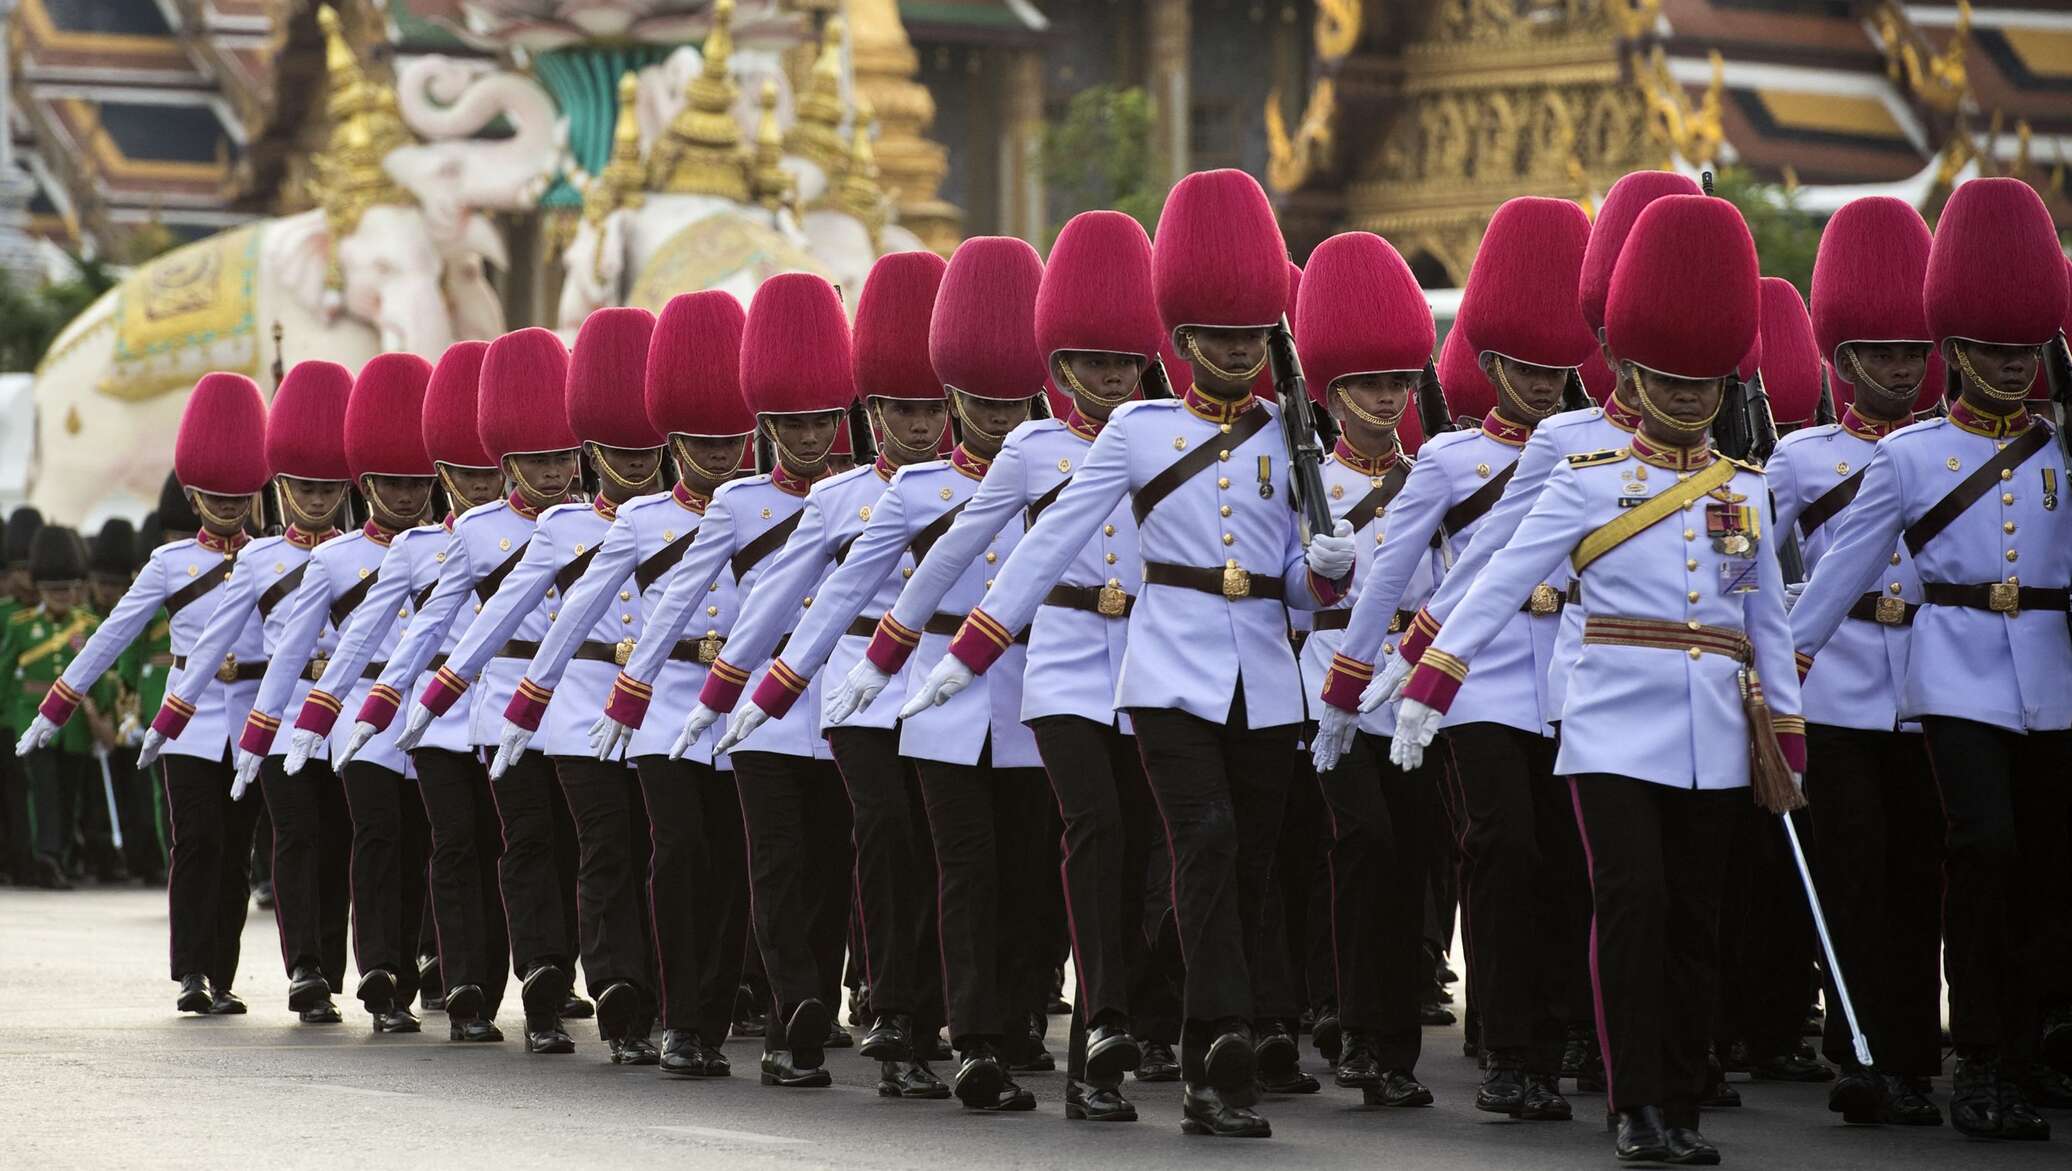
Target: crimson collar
<point>883,468</point>
<point>792,485</point>
<point>969,464</point>
<point>382,536</point>
<point>306,540</point>
<point>604,507</point>
<point>1979,422</point>
<point>1215,410</point>
<point>1503,430</point>
<point>225,545</point>
<point>1870,429</point>
<point>1620,415</point>
<point>1681,459</point>
<point>689,499</point>
<point>1085,428</point>
<point>447,524</point>
<point>1364,464</point>
<point>519,505</point>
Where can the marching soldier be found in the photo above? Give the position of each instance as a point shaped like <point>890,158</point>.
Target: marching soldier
<point>466,836</point>
<point>795,375</point>
<point>220,460</point>
<point>305,449</point>
<point>697,873</point>
<point>1209,681</point>
<point>1974,498</point>
<point>1366,334</point>
<point>1689,632</point>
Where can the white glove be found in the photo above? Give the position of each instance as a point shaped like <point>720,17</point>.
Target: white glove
<point>747,718</point>
<point>247,773</point>
<point>362,732</point>
<point>510,746</point>
<point>949,677</point>
<point>1416,724</point>
<point>1330,556</point>
<point>1335,728</point>
<point>154,742</point>
<point>1387,686</point>
<point>421,718</point>
<point>302,744</point>
<point>607,737</point>
<point>39,734</point>
<point>854,693</point>
<point>1792,594</point>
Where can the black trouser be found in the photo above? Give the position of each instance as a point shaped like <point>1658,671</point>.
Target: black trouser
<point>604,799</point>
<point>1876,853</point>
<point>1220,789</point>
<point>312,865</point>
<point>1657,858</point>
<point>1380,847</point>
<point>1766,940</point>
<point>17,841</point>
<point>697,887</point>
<point>800,859</point>
<point>143,804</point>
<point>391,842</point>
<point>208,886</point>
<point>987,825</point>
<point>1158,988</point>
<point>895,876</point>
<point>1280,985</point>
<point>58,786</point>
<point>467,847</point>
<point>529,805</point>
<point>1522,873</point>
<point>2004,917</point>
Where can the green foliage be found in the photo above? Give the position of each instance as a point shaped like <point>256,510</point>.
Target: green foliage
<point>30,319</point>
<point>1786,236</point>
<point>1099,156</point>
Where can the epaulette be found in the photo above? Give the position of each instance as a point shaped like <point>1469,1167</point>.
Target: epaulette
<point>1744,465</point>
<point>1590,459</point>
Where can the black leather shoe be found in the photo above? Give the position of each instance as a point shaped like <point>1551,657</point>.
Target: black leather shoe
<point>781,1068</point>
<point>432,980</point>
<point>910,1079</point>
<point>1907,1102</point>
<point>936,1047</point>
<point>682,1053</point>
<point>1275,1053</point>
<point>463,1003</point>
<point>980,1079</point>
<point>616,1006</point>
<point>2018,1117</point>
<point>751,1018</point>
<point>194,994</point>
<point>635,1051</point>
<point>1159,1064</point>
<point>1975,1097</point>
<point>377,991</point>
<point>306,988</point>
<point>1688,1148</point>
<point>891,1039</point>
<point>397,1020</point>
<point>473,1029</point>
<point>1091,1103</point>
<point>1358,1069</point>
<point>1718,1095</point>
<point>1327,1036</point>
<point>1790,1068</point>
<point>1503,1085</point>
<point>1590,1079</point>
<point>1573,1048</point>
<point>806,1032</point>
<point>1027,1052</point>
<point>1231,1066</point>
<point>716,1063</point>
<point>1203,1111</point>
<point>431,998</point>
<point>544,992</point>
<point>1399,1087</point>
<point>50,875</point>
<point>1642,1137</point>
<point>325,1013</point>
<point>1013,1099</point>
<point>1543,1100</point>
<point>1110,1053</point>
<point>226,1003</point>
<point>1858,1096</point>
<point>1296,1082</point>
<point>575,1008</point>
<point>545,1035</point>
<point>1436,1015</point>
<point>838,1037</point>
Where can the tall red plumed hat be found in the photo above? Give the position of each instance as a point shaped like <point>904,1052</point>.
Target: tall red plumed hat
<point>1360,312</point>
<point>305,426</point>
<point>1868,277</point>
<point>891,336</point>
<point>1521,294</point>
<point>1791,359</point>
<point>694,367</point>
<point>1752,361</point>
<point>384,420</point>
<point>1096,290</point>
<point>221,448</point>
<point>1469,392</point>
<point>1263,384</point>
<point>982,338</point>
<point>795,348</point>
<point>1684,299</point>
<point>1615,216</point>
<point>1996,273</point>
<point>1217,258</point>
<point>450,406</point>
<point>522,406</point>
<point>607,379</point>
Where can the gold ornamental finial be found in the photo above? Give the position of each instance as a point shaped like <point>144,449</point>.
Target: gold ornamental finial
<point>859,193</point>
<point>816,126</point>
<point>619,185</point>
<point>365,126</point>
<point>701,152</point>
<point>772,183</point>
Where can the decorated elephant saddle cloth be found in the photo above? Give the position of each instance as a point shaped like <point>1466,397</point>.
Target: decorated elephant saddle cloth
<point>186,313</point>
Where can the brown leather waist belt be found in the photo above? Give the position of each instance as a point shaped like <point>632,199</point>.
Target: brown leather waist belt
<point>437,661</point>
<point>1229,583</point>
<point>1608,630</point>
<point>1575,592</point>
<point>520,648</point>
<point>1883,609</point>
<point>231,671</point>
<point>950,624</point>
<point>589,651</point>
<point>315,668</point>
<point>2001,597</point>
<point>1545,600</point>
<point>1107,601</point>
<point>1340,619</point>
<point>863,628</point>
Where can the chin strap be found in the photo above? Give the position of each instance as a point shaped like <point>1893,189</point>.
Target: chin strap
<point>1986,388</point>
<point>601,460</point>
<point>1503,383</point>
<point>453,491</point>
<point>234,520</point>
<point>964,416</point>
<point>382,509</point>
<point>1195,355</point>
<point>1385,422</point>
<point>1079,390</point>
<point>534,496</point>
<point>1669,422</point>
<point>292,509</point>
<point>896,446</point>
<point>686,464</point>
<point>803,467</point>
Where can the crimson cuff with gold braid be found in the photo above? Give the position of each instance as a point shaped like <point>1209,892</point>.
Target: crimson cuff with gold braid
<point>1344,682</point>
<point>980,641</point>
<point>724,683</point>
<point>1329,593</point>
<point>319,711</point>
<point>1423,629</point>
<point>381,705</point>
<point>172,718</point>
<point>1436,680</point>
<point>1791,739</point>
<point>891,645</point>
<point>444,688</point>
<point>629,701</point>
<point>528,705</point>
<point>59,703</point>
<point>257,738</point>
<point>780,688</point>
<point>1804,663</point>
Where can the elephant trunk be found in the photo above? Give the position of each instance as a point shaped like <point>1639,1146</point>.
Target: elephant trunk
<point>414,318</point>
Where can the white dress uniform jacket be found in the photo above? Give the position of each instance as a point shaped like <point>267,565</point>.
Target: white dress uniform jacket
<point>409,570</point>
<point>205,732</point>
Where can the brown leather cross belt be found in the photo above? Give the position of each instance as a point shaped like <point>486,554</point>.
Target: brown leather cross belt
<point>232,671</point>
<point>2001,597</point>
<point>1107,601</point>
<point>950,624</point>
<point>1883,609</point>
<point>1230,583</point>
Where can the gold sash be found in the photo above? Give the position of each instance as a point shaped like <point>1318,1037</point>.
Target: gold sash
<point>1634,521</point>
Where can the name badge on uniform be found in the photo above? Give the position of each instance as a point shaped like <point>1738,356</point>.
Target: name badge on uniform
<point>1732,528</point>
<point>1738,576</point>
<point>1632,501</point>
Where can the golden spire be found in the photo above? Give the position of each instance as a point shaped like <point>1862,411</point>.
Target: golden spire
<point>701,153</point>
<point>816,124</point>
<point>859,193</point>
<point>771,182</point>
<point>619,184</point>
<point>365,127</point>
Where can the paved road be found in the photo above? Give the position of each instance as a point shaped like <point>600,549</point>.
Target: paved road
<point>97,1070</point>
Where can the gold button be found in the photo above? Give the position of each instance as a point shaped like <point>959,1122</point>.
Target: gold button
<point>1108,530</point>
<point>192,570</point>
<point>478,607</point>
<point>1694,652</point>
<point>440,557</point>
<point>709,633</point>
<point>1895,559</point>
<point>806,603</point>
<point>1894,587</point>
<point>1693,595</point>
<point>1179,443</point>
<point>1224,510</point>
<point>280,568</point>
<point>403,612</point>
<point>1111,558</point>
<point>1377,538</point>
<point>626,618</point>
<point>551,591</point>
<point>1229,540</point>
<point>1064,465</point>
<point>1115,583</point>
<point>2005,473</point>
<point>1388,648</point>
<point>669,534</point>
<point>1690,535</point>
<point>625,595</point>
<point>1230,563</point>
<point>1842,469</point>
<point>989,583</point>
<point>2007,498</point>
<point>2007,526</point>
<point>713,588</point>
<point>1953,463</point>
<point>1689,564</point>
<point>2012,555</point>
<point>1693,623</point>
<point>863,513</point>
<point>766,514</point>
<point>945,494</point>
<point>991,557</point>
<point>365,572</point>
<point>712,611</point>
<point>1482,470</point>
<point>907,572</point>
<point>552,615</point>
<point>580,547</point>
<point>1223,481</point>
<point>1380,510</point>
<point>1224,454</point>
<point>504,543</point>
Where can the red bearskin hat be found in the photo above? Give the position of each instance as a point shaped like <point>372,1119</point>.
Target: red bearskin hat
<point>221,448</point>
<point>1684,299</point>
<point>305,427</point>
<point>1622,205</point>
<point>795,348</point>
<point>607,379</point>
<point>384,420</point>
<point>1217,258</point>
<point>1360,312</point>
<point>1996,273</point>
<point>892,317</point>
<point>1790,360</point>
<point>1521,295</point>
<point>1469,392</point>
<point>694,367</point>
<point>450,406</point>
<point>1096,290</point>
<point>982,338</point>
<point>522,406</point>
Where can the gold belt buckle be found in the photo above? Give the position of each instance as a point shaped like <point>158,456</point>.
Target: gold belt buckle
<point>1545,600</point>
<point>1890,611</point>
<point>1111,601</point>
<point>708,648</point>
<point>228,671</point>
<point>315,669</point>
<point>2003,597</point>
<point>622,651</point>
<point>1236,582</point>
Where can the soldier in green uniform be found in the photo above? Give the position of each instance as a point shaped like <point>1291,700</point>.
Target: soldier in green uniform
<point>17,859</point>
<point>149,662</point>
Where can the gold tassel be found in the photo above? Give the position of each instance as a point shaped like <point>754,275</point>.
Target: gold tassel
<point>1769,774</point>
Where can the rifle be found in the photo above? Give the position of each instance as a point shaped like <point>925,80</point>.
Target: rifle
<point>1574,395</point>
<point>2057,368</point>
<point>862,442</point>
<point>1298,426</point>
<point>1431,403</point>
<point>1733,430</point>
<point>1156,383</point>
<point>1791,560</point>
<point>1824,413</point>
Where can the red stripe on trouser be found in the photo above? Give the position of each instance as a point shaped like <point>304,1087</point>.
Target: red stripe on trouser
<point>1604,1036</point>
